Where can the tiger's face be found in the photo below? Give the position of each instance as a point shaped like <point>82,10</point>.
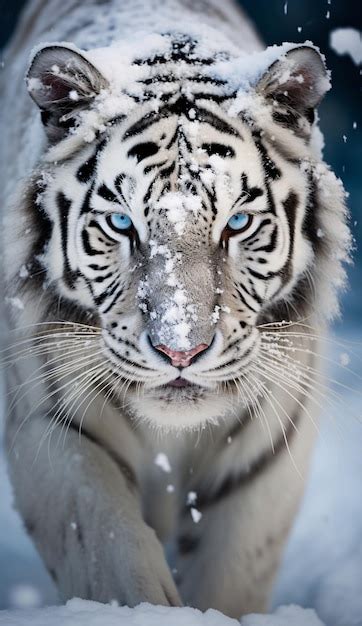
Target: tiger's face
<point>180,228</point>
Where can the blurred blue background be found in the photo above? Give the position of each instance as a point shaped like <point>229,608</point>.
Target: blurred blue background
<point>340,113</point>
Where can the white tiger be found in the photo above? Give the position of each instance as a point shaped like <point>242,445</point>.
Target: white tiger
<point>164,239</point>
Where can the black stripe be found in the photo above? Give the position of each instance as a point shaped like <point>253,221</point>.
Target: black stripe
<point>116,120</point>
<point>232,345</point>
<point>63,309</point>
<point>94,225</point>
<point>232,483</point>
<point>87,246</point>
<point>253,293</point>
<point>310,222</point>
<point>220,149</point>
<point>153,166</point>
<point>248,194</point>
<point>236,429</point>
<point>147,195</point>
<point>98,268</point>
<point>235,343</point>
<point>86,171</point>
<point>158,78</point>
<point>100,279</point>
<point>218,82</point>
<point>270,168</point>
<point>248,306</point>
<point>42,227</point>
<point>118,293</point>
<point>181,106</point>
<point>271,203</point>
<point>106,193</point>
<point>211,193</point>
<point>123,465</point>
<point>143,123</point>
<point>213,97</point>
<point>187,544</point>
<point>167,171</point>
<point>184,109</point>
<point>290,207</point>
<point>64,204</point>
<point>203,115</point>
<point>126,342</point>
<point>170,78</point>
<point>143,150</point>
<point>288,118</point>
<point>173,139</point>
<point>98,300</point>
<point>127,361</point>
<point>235,360</point>
<point>174,57</point>
<point>86,208</point>
<point>249,240</point>
<point>118,185</point>
<point>271,246</point>
<point>265,276</point>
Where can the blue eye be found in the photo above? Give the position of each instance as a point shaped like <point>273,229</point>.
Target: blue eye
<point>120,221</point>
<point>239,221</point>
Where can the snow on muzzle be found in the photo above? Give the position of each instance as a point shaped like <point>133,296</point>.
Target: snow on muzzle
<point>177,296</point>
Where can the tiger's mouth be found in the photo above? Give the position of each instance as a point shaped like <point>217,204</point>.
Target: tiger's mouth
<point>180,389</point>
<point>180,383</point>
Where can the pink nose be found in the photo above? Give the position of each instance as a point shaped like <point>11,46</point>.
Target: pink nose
<point>181,359</point>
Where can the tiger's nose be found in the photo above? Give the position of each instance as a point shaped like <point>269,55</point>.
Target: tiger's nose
<point>181,358</point>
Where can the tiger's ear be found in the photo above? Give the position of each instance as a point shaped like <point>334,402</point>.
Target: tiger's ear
<point>62,82</point>
<point>298,80</point>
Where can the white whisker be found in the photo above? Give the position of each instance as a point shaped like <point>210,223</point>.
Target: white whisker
<point>271,397</point>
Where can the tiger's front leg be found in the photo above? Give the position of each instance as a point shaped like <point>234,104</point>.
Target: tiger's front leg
<point>228,559</point>
<point>82,510</point>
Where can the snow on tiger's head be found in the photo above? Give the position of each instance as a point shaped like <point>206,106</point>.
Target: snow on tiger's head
<point>188,203</point>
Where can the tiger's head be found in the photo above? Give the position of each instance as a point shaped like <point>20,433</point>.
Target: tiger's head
<point>183,209</point>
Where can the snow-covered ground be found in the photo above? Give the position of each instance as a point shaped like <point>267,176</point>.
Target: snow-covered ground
<point>322,567</point>
<point>82,613</point>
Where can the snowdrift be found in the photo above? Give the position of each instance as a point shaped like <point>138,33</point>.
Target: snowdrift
<point>84,613</point>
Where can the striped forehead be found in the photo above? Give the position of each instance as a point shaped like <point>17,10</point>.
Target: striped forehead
<point>178,154</point>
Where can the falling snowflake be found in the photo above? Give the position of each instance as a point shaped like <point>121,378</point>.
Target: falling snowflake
<point>344,359</point>
<point>162,461</point>
<point>191,498</point>
<point>196,515</point>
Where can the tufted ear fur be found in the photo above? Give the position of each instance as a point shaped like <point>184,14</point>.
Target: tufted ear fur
<point>62,82</point>
<point>299,80</point>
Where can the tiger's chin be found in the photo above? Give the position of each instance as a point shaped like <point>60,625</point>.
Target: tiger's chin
<point>181,407</point>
